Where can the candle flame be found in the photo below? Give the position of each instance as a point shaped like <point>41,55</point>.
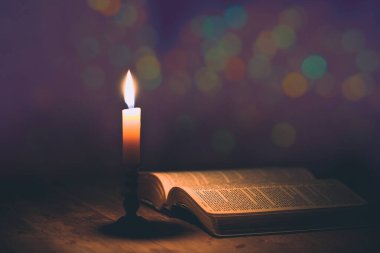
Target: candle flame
<point>129,90</point>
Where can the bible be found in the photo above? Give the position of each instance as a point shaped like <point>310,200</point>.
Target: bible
<point>249,201</point>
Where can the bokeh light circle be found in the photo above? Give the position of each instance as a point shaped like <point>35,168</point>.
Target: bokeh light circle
<point>292,17</point>
<point>235,69</point>
<point>106,7</point>
<point>216,58</point>
<point>284,36</point>
<point>294,85</point>
<point>265,44</point>
<point>213,27</point>
<point>235,17</point>
<point>356,87</point>
<point>207,81</point>
<point>151,84</point>
<point>148,67</point>
<point>314,67</point>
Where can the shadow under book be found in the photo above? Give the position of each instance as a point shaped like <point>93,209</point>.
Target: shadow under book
<point>254,201</point>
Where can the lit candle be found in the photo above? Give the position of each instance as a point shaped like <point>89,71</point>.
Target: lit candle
<point>131,124</point>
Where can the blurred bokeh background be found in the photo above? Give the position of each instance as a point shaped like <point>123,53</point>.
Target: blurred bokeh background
<point>221,84</point>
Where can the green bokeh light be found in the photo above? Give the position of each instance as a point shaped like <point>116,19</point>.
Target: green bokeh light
<point>207,81</point>
<point>213,27</point>
<point>284,36</point>
<point>235,17</point>
<point>151,84</point>
<point>216,58</point>
<point>314,67</point>
<point>148,67</point>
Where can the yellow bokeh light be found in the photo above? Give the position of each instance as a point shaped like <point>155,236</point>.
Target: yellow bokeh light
<point>216,58</point>
<point>106,7</point>
<point>283,135</point>
<point>293,17</point>
<point>207,81</point>
<point>294,85</point>
<point>356,87</point>
<point>148,67</point>
<point>98,4</point>
<point>265,44</point>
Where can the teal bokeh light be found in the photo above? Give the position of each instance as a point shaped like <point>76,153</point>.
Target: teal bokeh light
<point>235,17</point>
<point>314,67</point>
<point>213,27</point>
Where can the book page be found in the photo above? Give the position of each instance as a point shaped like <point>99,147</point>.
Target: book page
<point>238,199</point>
<point>241,176</point>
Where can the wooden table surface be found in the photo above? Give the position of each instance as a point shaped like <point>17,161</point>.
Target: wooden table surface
<point>71,217</point>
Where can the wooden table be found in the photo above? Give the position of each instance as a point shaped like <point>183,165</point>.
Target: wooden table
<point>70,216</point>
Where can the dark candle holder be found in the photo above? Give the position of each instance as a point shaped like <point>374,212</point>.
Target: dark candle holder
<point>131,203</point>
<point>131,225</point>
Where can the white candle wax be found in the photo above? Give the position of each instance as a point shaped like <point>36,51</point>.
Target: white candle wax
<point>131,136</point>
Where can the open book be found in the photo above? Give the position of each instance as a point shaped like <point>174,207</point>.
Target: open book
<point>246,201</point>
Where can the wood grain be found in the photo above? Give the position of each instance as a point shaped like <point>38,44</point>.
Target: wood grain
<point>69,217</point>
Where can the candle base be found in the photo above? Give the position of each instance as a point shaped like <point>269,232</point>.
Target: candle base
<point>131,201</point>
<point>131,224</point>
<point>140,228</point>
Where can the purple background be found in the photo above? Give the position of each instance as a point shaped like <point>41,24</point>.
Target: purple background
<point>62,61</point>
